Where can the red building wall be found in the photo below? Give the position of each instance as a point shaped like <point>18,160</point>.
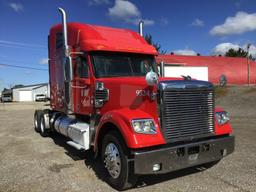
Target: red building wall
<point>235,69</point>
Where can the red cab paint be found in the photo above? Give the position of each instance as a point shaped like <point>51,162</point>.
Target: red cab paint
<point>124,103</point>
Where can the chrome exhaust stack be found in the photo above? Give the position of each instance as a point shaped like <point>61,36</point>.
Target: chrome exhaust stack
<point>64,31</point>
<point>141,27</point>
<point>162,72</point>
<point>67,61</point>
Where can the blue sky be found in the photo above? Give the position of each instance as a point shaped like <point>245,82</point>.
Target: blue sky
<point>180,26</point>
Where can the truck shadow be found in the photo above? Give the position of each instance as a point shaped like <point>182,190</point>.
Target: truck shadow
<point>147,180</point>
<point>70,151</point>
<point>88,156</point>
<point>94,164</point>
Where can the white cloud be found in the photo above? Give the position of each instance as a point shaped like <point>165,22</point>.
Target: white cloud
<point>147,22</point>
<point>99,2</point>
<point>124,10</point>
<point>197,23</point>
<point>128,12</point>
<point>17,7</point>
<point>222,48</point>
<point>252,49</point>
<point>242,22</point>
<point>184,52</point>
<point>43,61</point>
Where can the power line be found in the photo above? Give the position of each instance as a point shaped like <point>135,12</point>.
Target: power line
<point>13,44</point>
<point>22,67</point>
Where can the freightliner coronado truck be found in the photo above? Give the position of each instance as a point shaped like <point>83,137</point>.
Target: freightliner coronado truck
<point>107,95</point>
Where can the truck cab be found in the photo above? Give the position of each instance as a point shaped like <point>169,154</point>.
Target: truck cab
<point>6,96</point>
<point>107,94</point>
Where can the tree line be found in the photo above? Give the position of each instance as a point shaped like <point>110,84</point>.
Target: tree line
<point>230,53</point>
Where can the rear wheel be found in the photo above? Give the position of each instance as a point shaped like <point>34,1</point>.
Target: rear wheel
<point>42,129</point>
<point>118,171</point>
<point>36,122</point>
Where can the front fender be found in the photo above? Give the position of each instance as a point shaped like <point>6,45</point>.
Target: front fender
<point>122,120</point>
<point>222,129</point>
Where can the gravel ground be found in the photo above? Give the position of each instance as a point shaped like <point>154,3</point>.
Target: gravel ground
<point>31,163</point>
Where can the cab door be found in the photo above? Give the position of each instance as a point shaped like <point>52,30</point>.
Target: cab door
<point>82,86</point>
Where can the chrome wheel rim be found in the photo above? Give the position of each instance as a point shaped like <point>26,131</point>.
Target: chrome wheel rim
<point>35,122</point>
<point>112,160</point>
<point>42,125</point>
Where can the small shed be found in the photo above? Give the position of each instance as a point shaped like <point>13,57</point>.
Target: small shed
<point>29,92</point>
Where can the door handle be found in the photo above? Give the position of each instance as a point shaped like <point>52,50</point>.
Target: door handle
<point>79,87</point>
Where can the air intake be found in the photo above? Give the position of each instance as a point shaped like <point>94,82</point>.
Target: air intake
<point>187,110</point>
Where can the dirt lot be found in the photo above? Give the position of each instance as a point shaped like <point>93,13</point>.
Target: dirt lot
<point>29,162</point>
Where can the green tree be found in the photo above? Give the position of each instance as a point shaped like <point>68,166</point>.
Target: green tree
<point>157,46</point>
<point>236,53</point>
<point>239,53</point>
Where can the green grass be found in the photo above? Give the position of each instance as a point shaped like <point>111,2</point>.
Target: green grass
<point>250,90</point>
<point>220,91</point>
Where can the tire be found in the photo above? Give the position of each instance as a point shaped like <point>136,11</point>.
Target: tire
<point>121,176</point>
<point>42,130</point>
<point>36,122</point>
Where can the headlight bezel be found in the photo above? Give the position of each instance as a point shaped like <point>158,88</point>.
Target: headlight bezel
<point>142,129</point>
<point>222,117</point>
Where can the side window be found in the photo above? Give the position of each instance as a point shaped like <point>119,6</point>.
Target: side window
<point>145,67</point>
<point>59,40</point>
<point>82,67</point>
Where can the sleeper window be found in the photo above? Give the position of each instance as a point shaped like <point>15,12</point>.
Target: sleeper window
<point>59,40</point>
<point>82,67</point>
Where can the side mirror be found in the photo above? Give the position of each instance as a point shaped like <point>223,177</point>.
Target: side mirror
<point>151,78</point>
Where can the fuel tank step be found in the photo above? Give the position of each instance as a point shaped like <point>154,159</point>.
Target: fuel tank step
<point>78,132</point>
<point>75,145</point>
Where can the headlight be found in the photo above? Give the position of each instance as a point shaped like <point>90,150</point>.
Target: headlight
<point>145,126</point>
<point>222,117</point>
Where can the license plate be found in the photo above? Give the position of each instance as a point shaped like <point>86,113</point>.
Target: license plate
<point>193,157</point>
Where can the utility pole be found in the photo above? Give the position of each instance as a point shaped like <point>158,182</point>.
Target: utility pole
<point>248,64</point>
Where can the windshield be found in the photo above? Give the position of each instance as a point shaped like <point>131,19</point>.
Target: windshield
<point>121,64</point>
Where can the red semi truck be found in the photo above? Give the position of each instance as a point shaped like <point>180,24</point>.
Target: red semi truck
<point>107,95</point>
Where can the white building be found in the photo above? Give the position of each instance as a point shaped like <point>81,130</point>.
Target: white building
<point>29,92</point>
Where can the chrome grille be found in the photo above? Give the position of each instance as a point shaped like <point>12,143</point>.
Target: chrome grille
<point>102,95</point>
<point>187,113</point>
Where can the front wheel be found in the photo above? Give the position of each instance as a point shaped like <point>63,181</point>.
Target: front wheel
<point>118,171</point>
